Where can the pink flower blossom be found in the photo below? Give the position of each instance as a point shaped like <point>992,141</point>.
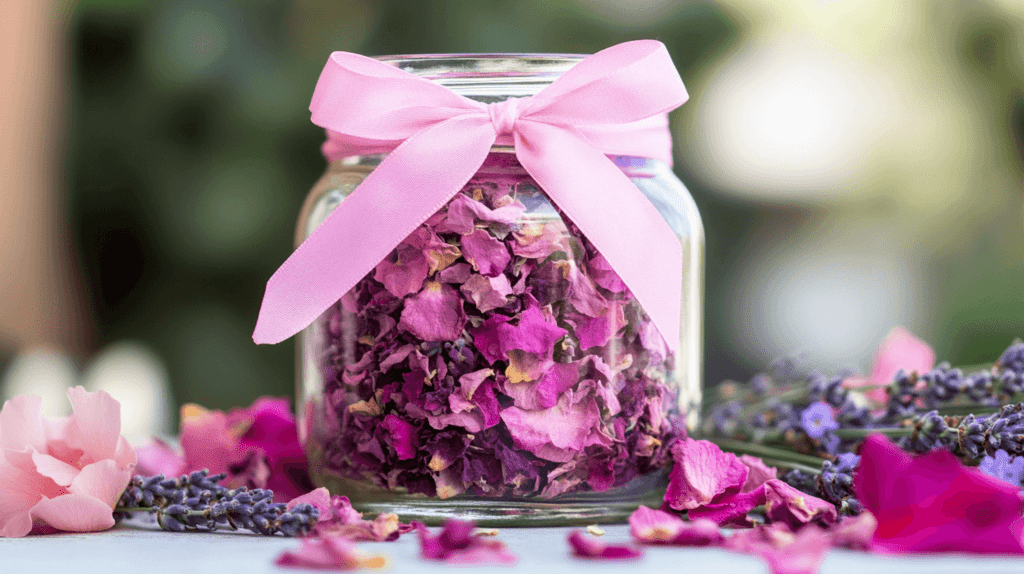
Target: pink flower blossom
<point>66,473</point>
<point>658,527</point>
<point>256,447</point>
<point>932,503</point>
<point>456,544</point>
<point>328,553</point>
<point>587,546</point>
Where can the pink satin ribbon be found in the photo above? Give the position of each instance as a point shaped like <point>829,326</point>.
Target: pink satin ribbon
<point>610,103</point>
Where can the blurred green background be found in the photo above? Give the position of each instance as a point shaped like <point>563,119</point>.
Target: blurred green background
<point>858,165</point>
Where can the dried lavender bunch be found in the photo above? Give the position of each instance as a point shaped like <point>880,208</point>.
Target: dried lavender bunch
<point>196,501</point>
<point>807,412</point>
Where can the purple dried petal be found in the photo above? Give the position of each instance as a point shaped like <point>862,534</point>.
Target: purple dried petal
<point>544,392</point>
<point>583,293</point>
<point>463,213</point>
<point>487,293</point>
<point>458,273</point>
<point>404,275</point>
<point>488,255</point>
<point>604,275</point>
<point>788,505</point>
<point>404,437</point>
<point>434,314</point>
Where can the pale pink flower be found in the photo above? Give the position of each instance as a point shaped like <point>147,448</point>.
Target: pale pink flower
<point>900,350</point>
<point>67,473</point>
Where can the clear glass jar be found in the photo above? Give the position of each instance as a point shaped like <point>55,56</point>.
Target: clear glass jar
<point>494,367</point>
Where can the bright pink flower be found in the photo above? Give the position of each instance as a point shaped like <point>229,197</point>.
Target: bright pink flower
<point>932,503</point>
<point>658,527</point>
<point>782,550</point>
<point>586,546</point>
<point>328,553</point>
<point>456,544</point>
<point>783,503</point>
<point>256,447</point>
<point>702,474</point>
<point>66,473</point>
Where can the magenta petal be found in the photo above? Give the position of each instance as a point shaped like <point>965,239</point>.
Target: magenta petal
<point>487,293</point>
<point>406,274</point>
<point>730,509</point>
<point>587,546</point>
<point>458,273</point>
<point>404,437</point>
<point>488,255</point>
<point>463,212</point>
<point>855,532</point>
<point>583,294</point>
<point>605,276</point>
<point>434,314</point>
<point>319,498</point>
<point>933,503</point>
<point>701,473</point>
<point>783,503</point>
<point>457,544</point>
<point>758,474</point>
<point>564,426</point>
<point>659,527</point>
<point>207,442</point>
<point>597,331</point>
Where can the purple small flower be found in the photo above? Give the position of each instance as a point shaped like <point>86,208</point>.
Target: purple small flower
<point>1003,467</point>
<point>817,420</point>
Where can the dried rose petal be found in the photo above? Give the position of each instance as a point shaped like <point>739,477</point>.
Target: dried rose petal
<point>404,437</point>
<point>701,473</point>
<point>783,503</point>
<point>783,551</point>
<point>487,255</point>
<point>457,544</point>
<point>855,532</point>
<point>434,314</point>
<point>730,509</point>
<point>487,293</point>
<point>406,274</point>
<point>758,474</point>
<point>328,552</point>
<point>587,546</point>
<point>555,432</point>
<point>658,527</point>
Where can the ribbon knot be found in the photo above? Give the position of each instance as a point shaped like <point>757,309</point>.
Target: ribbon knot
<point>613,102</point>
<point>504,115</point>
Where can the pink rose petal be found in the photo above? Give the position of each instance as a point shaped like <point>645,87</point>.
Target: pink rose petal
<point>901,350</point>
<point>597,331</point>
<point>783,503</point>
<point>75,513</point>
<point>57,470</point>
<point>564,426</point>
<point>487,293</point>
<point>457,544</point>
<point>649,526</point>
<point>434,314</point>
<point>487,255</point>
<point>157,457</point>
<point>758,474</point>
<point>328,553</point>
<point>95,424</point>
<point>701,473</point>
<point>855,532</point>
<point>783,551</point>
<point>406,274</point>
<point>21,425</point>
<point>404,436</point>
<point>20,490</point>
<point>730,509</point>
<point>586,546</point>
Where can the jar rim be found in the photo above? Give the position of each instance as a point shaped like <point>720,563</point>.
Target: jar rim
<point>487,74</point>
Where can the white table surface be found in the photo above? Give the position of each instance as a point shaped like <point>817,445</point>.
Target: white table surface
<point>540,551</point>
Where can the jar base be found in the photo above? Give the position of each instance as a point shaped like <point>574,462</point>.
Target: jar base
<point>575,509</point>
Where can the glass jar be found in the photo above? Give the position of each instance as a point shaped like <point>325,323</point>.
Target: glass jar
<point>494,367</point>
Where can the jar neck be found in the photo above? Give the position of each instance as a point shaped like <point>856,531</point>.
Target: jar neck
<point>488,78</point>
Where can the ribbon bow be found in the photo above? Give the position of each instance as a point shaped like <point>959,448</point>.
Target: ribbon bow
<point>438,140</point>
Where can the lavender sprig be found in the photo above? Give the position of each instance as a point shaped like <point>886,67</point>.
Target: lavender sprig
<point>196,501</point>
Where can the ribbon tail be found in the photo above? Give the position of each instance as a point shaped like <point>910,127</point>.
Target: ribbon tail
<point>411,184</point>
<point>613,214</point>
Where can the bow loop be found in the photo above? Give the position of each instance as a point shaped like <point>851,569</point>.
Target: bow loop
<point>614,102</point>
